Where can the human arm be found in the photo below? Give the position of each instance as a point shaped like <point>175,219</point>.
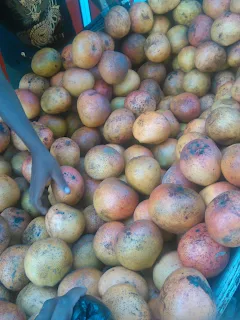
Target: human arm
<point>44,165</point>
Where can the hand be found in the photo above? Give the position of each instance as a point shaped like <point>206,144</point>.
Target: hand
<point>44,168</point>
<point>61,308</point>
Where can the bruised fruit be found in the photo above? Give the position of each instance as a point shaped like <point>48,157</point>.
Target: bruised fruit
<point>165,153</point>
<point>5,167</point>
<point>119,125</point>
<point>103,162</point>
<point>213,190</point>
<point>76,184</point>
<point>222,219</point>
<point>197,250</point>
<point>138,245</point>
<point>117,22</point>
<point>30,103</point>
<point>67,59</point>
<point>92,221</point>
<point>84,255</point>
<point>222,125</point>
<point>200,162</point>
<point>105,242</point>
<point>27,168</point>
<point>86,138</point>
<point>230,163</point>
<point>57,79</point>
<point>9,192</point>
<point>11,311</point>
<point>225,28</point>
<point>113,67</point>
<point>56,100</point>
<point>66,152</point>
<point>185,107</point>
<point>90,185</point>
<point>86,49</point>
<point>157,47</point>
<point>31,298</point>
<point>107,41</point>
<point>104,89</point>
<point>51,258</point>
<point>166,265</point>
<point>197,82</point>
<point>174,175</point>
<point>139,102</point>
<point>85,277</point>
<point>114,200</point>
<point>175,208</point>
<point>143,174</point>
<point>121,275</point>
<point>185,139</point>
<point>173,84</point>
<point>135,151</point>
<point>76,81</point>
<point>151,70</point>
<point>196,125</point>
<point>186,292</point>
<point>35,231</point>
<point>141,17</point>
<point>124,300</point>
<point>34,83</point>
<point>130,83</point>
<point>200,30</point>
<point>141,212</point>
<point>163,6</point>
<point>65,222</point>
<point>178,38</point>
<point>17,220</point>
<point>151,127</point>
<point>93,108</point>
<point>27,204</point>
<point>73,123</point>
<point>161,24</point>
<point>209,56</point>
<point>46,62</point>
<point>186,58</point>
<point>4,137</point>
<point>4,293</point>
<point>151,86</point>
<point>5,235</point>
<point>186,11</point>
<point>12,274</point>
<point>56,124</point>
<point>133,48</point>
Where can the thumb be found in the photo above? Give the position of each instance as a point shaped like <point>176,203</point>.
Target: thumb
<point>74,294</point>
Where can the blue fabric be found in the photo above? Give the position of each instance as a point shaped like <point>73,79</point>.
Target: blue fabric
<point>11,49</point>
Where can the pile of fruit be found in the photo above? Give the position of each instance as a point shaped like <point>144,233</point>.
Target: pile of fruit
<point>148,140</point>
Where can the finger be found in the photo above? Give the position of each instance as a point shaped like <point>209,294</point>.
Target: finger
<point>36,190</point>
<point>47,310</point>
<point>65,305</point>
<point>60,181</point>
<point>35,198</point>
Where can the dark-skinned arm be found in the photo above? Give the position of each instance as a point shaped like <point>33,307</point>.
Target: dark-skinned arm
<point>44,165</point>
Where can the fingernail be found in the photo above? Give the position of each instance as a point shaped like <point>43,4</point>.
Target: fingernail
<point>67,190</point>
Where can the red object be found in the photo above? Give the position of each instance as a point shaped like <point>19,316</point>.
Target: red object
<point>94,10</point>
<point>3,66</point>
<point>74,10</point>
